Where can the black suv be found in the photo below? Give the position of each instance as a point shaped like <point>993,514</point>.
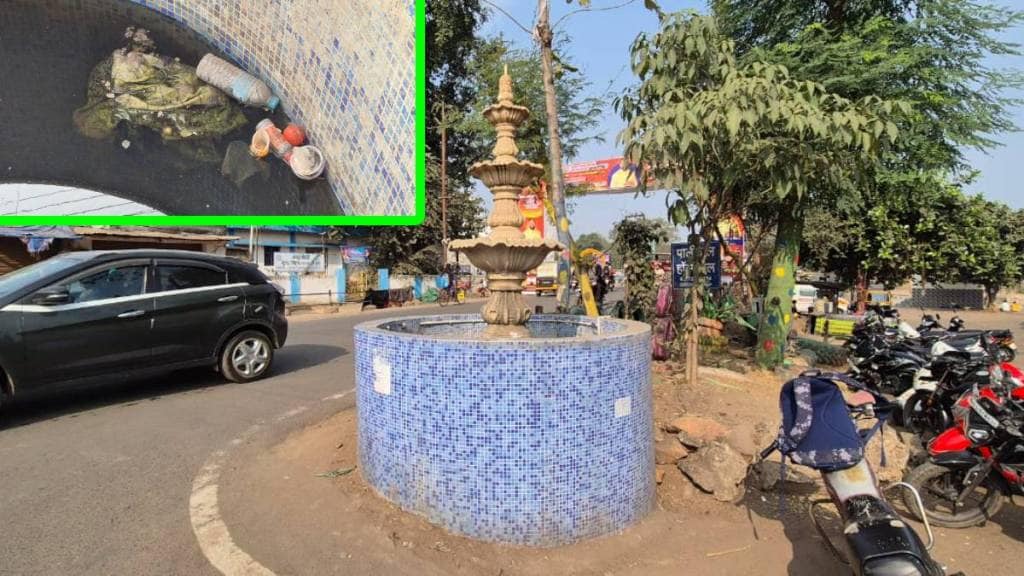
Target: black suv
<point>87,316</point>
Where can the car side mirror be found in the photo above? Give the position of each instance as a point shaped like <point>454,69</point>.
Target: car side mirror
<point>52,296</point>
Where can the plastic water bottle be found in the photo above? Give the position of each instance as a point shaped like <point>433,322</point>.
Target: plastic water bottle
<point>238,83</point>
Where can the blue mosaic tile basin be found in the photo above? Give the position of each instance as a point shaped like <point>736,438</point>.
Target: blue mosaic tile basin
<point>539,441</point>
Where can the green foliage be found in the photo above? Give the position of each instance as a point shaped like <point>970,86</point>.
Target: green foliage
<point>710,126</point>
<point>593,240</point>
<point>930,53</point>
<point>723,309</point>
<point>821,353</point>
<point>632,239</point>
<point>983,247</point>
<point>453,45</point>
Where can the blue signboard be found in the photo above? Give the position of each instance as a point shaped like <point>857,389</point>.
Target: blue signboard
<point>682,276</point>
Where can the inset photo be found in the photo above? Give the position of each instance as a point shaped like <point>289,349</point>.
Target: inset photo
<point>216,108</point>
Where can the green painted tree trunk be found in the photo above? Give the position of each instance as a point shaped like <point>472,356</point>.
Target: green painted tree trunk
<point>777,319</point>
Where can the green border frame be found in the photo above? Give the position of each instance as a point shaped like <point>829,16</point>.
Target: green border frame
<point>408,220</point>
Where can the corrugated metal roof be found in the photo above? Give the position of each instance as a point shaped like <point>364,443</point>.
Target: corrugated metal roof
<point>143,232</point>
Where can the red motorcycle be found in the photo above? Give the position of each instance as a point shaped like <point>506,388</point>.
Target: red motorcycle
<point>977,462</point>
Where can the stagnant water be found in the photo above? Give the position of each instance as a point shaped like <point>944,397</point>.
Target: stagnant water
<point>48,48</point>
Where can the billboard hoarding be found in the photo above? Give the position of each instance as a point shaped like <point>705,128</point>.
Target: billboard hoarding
<point>606,175</point>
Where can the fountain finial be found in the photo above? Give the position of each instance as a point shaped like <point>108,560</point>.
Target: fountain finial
<point>505,94</point>
<point>506,255</point>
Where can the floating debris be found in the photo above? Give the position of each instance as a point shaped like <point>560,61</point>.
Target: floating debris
<point>137,86</point>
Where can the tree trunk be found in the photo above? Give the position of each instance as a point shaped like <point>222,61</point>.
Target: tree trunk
<point>773,332</point>
<point>991,295</point>
<point>545,38</point>
<point>862,292</point>
<point>693,337</point>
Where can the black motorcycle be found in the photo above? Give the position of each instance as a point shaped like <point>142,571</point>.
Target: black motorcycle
<point>878,542</point>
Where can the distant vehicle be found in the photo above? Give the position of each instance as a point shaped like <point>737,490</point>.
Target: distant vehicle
<point>85,317</point>
<point>880,297</point>
<point>547,279</point>
<point>804,298</point>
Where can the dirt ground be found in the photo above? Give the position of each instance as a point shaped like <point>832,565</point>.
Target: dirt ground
<point>338,525</point>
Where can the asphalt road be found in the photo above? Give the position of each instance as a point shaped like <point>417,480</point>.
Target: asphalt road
<point>99,483</point>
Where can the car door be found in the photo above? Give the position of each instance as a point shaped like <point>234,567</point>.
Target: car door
<point>195,304</point>
<point>100,327</point>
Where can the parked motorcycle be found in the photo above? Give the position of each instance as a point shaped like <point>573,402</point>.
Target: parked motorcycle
<point>877,541</point>
<point>927,408</point>
<point>977,462</point>
<point>897,361</point>
<point>886,366</point>
<point>931,330</point>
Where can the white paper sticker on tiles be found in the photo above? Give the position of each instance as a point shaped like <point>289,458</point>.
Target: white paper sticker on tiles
<point>623,407</point>
<point>381,376</point>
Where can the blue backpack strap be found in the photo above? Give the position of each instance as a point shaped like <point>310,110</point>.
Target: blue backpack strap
<point>844,378</point>
<point>802,418</point>
<point>866,435</point>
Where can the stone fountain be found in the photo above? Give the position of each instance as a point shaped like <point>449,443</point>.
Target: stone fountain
<point>506,255</point>
<point>507,427</point>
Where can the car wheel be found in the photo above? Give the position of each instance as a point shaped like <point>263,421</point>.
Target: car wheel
<point>247,356</point>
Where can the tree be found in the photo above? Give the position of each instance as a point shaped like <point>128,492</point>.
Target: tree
<point>724,135</point>
<point>982,248</point>
<point>452,47</point>
<point>594,240</point>
<point>885,237</point>
<point>632,239</point>
<point>929,53</point>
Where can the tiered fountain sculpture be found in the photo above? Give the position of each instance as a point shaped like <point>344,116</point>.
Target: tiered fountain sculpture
<point>507,427</point>
<point>506,255</point>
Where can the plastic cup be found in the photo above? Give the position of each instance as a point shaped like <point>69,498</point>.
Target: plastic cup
<point>260,145</point>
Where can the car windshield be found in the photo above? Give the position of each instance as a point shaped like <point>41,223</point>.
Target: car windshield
<point>14,281</point>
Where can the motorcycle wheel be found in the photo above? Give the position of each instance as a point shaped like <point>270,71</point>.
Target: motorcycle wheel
<point>923,421</point>
<point>938,487</point>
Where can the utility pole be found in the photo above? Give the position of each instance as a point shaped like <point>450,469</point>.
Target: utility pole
<point>545,37</point>
<point>444,185</point>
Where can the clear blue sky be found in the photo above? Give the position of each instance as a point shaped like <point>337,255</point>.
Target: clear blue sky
<point>600,47</point>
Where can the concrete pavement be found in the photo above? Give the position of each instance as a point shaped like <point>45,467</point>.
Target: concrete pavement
<point>99,482</point>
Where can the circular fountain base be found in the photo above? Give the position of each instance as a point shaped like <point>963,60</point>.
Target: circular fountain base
<point>539,441</point>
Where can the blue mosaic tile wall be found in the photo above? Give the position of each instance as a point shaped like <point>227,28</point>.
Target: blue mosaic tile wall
<point>468,326</point>
<point>538,442</point>
<point>343,68</point>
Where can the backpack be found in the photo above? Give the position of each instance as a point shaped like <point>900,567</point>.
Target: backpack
<point>817,430</point>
